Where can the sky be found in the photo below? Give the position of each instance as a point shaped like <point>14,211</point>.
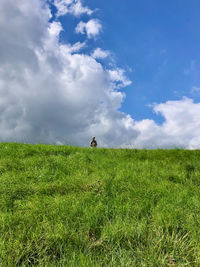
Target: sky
<point>126,72</point>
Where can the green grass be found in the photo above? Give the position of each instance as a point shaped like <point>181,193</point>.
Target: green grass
<point>69,206</point>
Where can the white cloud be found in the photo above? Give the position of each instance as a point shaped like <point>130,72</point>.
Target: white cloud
<point>99,53</point>
<point>92,28</point>
<point>73,7</point>
<point>73,48</point>
<point>118,77</point>
<point>49,92</point>
<point>181,127</point>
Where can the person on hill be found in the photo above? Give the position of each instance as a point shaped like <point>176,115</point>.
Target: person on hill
<point>93,142</point>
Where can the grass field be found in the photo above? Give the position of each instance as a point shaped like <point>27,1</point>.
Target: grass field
<point>69,206</point>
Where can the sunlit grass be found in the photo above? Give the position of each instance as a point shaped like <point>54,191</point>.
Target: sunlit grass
<point>69,206</point>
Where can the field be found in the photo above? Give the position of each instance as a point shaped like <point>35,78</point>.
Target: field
<point>69,206</point>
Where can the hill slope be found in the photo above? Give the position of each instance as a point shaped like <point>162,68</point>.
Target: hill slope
<point>69,206</point>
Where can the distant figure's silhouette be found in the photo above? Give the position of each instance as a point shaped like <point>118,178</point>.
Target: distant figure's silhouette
<point>93,142</point>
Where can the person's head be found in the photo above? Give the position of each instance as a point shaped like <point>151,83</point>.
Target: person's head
<point>93,137</point>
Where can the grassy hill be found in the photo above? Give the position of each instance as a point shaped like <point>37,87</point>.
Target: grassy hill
<point>69,206</point>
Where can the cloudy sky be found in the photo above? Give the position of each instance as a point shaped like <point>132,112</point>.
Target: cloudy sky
<point>124,71</point>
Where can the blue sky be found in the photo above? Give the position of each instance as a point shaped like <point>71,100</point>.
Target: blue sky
<point>64,78</point>
<point>158,40</point>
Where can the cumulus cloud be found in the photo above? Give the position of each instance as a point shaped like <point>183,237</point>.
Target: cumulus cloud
<point>74,7</point>
<point>92,28</point>
<point>181,127</point>
<point>100,54</point>
<point>50,92</point>
<point>118,77</point>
